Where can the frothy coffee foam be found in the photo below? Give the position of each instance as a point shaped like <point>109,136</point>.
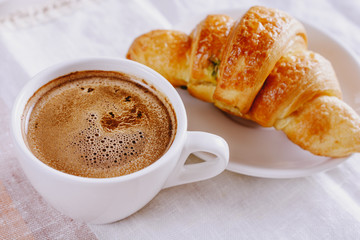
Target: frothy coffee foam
<point>99,124</point>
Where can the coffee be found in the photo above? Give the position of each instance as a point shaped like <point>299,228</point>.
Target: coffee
<point>99,124</point>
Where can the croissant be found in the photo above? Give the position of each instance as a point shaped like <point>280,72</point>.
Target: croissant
<point>258,68</point>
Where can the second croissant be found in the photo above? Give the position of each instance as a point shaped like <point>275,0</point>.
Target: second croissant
<point>258,68</point>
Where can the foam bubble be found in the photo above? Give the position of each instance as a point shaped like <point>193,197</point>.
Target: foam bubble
<point>100,124</point>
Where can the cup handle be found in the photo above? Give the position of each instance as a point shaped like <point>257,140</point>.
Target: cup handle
<point>209,147</point>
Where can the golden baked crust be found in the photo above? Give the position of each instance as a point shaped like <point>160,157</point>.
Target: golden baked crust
<point>258,68</point>
<point>257,42</point>
<point>324,126</point>
<point>297,77</point>
<point>208,40</point>
<point>164,51</point>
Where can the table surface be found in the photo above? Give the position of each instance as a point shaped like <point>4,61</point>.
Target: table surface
<point>39,33</point>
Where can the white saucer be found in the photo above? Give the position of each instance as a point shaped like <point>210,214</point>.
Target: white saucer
<point>266,152</point>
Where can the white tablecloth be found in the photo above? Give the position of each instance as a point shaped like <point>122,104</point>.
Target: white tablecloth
<point>230,206</point>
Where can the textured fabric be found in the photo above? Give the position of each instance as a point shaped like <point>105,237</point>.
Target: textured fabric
<point>229,206</point>
<point>23,213</point>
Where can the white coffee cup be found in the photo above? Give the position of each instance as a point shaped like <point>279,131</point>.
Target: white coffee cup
<point>105,200</point>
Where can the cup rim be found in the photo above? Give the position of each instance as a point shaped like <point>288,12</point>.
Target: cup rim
<point>43,77</point>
